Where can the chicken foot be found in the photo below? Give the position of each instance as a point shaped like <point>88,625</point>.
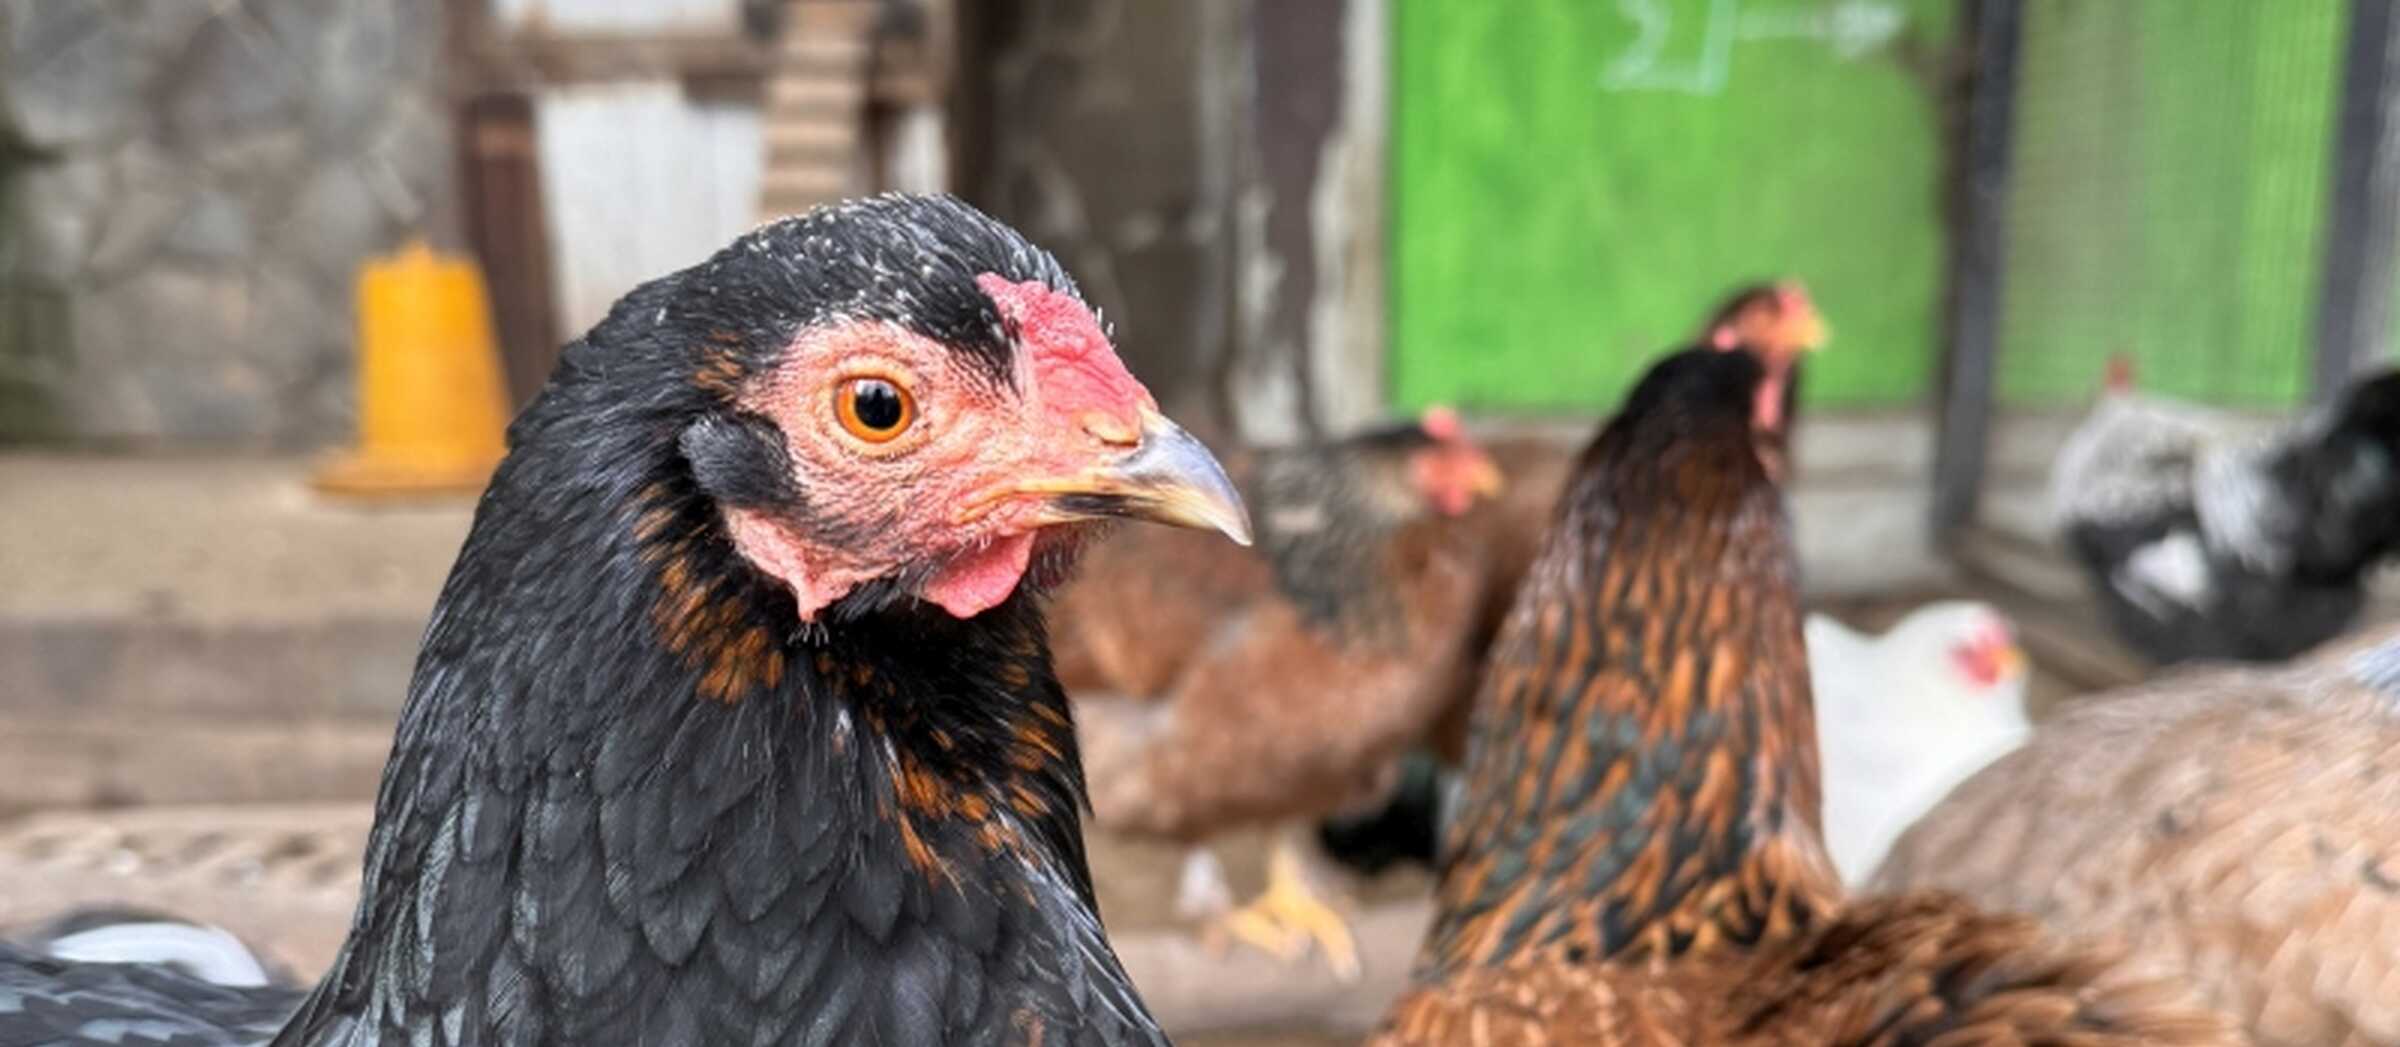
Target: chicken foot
<point>1283,920</point>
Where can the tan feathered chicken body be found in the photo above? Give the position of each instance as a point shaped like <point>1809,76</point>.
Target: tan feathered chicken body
<point>2238,828</point>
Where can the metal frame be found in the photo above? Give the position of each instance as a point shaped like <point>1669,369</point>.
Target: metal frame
<point>1978,257</point>
<point>2354,307</point>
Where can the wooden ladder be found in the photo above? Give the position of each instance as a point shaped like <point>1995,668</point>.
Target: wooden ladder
<point>813,121</point>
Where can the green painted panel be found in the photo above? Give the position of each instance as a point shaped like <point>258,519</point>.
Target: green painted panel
<point>2168,196</point>
<point>1575,181</point>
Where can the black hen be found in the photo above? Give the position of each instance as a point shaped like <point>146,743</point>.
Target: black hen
<point>735,721</point>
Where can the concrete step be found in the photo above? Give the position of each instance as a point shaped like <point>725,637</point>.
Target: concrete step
<point>140,665</point>
<point>117,760</point>
<point>187,629</point>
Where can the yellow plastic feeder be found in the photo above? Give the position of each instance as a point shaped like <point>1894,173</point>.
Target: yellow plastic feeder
<point>432,406</point>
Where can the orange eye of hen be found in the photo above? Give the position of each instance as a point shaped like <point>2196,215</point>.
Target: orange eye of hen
<point>874,409</point>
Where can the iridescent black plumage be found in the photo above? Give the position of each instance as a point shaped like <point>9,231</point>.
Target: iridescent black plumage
<point>634,799</point>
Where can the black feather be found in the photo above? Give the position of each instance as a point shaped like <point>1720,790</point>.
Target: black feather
<point>1406,830</point>
<point>50,1001</point>
<point>739,459</point>
<point>573,843</point>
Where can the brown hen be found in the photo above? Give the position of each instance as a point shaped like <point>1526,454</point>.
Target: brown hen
<point>1280,683</point>
<point>2237,828</point>
<point>1636,859</point>
<point>1778,317</point>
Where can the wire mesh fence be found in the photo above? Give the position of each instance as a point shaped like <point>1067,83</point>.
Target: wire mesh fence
<point>2168,197</point>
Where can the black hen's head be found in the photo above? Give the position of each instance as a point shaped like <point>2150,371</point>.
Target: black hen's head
<point>1704,391</point>
<point>897,398</point>
<point>1700,386</point>
<point>1778,321</point>
<point>2373,407</point>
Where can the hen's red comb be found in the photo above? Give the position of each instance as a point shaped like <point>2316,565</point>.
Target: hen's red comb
<point>1077,368</point>
<point>2119,376</point>
<point>1441,423</point>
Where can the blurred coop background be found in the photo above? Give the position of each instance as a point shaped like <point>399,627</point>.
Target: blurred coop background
<point>1301,216</point>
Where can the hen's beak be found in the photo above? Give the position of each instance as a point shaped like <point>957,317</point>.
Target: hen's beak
<point>1484,478</point>
<point>1806,332</point>
<point>1166,477</point>
<point>2009,661</point>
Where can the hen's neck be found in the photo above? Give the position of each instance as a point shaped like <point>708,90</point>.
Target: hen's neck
<point>631,798</point>
<point>1643,773</point>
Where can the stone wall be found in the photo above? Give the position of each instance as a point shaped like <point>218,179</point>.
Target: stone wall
<point>189,188</point>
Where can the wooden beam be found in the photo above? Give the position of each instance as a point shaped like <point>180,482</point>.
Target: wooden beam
<point>2354,306</point>
<point>715,64</point>
<point>1978,259</point>
<point>525,59</point>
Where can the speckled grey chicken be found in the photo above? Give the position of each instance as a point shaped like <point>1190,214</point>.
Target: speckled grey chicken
<point>2204,539</point>
<point>2239,828</point>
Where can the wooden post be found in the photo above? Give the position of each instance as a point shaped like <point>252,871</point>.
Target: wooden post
<point>500,196</point>
<point>2354,305</point>
<point>1978,259</point>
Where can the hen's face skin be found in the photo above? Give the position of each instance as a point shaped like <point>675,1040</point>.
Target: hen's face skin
<point>916,464</point>
<point>1986,655</point>
<point>1780,318</point>
<point>1453,472</point>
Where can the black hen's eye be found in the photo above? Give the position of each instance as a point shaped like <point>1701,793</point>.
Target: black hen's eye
<point>874,409</point>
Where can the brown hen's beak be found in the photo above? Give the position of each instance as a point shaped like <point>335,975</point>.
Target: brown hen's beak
<point>1807,331</point>
<point>1485,479</point>
<point>1167,477</point>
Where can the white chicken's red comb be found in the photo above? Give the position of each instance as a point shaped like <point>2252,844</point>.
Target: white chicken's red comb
<point>2118,378</point>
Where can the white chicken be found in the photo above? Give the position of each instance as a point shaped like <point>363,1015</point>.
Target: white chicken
<point>1903,717</point>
